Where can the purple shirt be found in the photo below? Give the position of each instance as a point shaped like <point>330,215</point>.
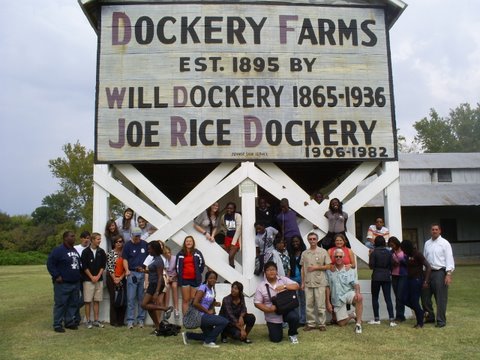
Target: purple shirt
<point>261,297</point>
<point>288,224</point>
<point>208,296</point>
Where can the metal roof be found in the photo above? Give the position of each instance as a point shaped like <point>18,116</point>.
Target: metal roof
<point>394,7</point>
<point>439,161</point>
<point>435,195</point>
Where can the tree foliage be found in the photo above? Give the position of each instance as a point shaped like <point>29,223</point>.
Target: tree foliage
<point>459,132</point>
<point>75,174</point>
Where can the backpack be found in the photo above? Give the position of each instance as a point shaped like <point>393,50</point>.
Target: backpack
<point>166,329</point>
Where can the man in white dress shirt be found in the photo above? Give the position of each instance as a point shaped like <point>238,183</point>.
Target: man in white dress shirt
<point>438,253</point>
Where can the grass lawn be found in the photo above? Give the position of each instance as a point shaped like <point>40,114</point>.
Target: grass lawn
<point>26,298</point>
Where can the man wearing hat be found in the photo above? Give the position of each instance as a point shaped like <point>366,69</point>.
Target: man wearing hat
<point>134,254</point>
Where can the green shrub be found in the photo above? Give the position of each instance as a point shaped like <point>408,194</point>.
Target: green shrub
<point>8,257</point>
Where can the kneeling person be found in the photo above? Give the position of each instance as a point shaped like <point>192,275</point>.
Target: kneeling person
<point>235,311</point>
<point>263,302</point>
<point>343,289</point>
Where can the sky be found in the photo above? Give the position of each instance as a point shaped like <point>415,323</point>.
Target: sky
<point>47,91</point>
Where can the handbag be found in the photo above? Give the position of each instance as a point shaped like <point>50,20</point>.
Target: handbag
<point>120,297</point>
<point>284,301</point>
<point>192,319</point>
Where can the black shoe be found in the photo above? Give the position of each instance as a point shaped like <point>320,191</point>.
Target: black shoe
<point>429,321</point>
<point>440,325</point>
<point>71,327</point>
<point>59,329</point>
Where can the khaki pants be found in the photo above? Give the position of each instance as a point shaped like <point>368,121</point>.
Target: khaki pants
<point>315,302</point>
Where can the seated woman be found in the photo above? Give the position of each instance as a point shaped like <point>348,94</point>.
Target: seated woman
<point>204,301</point>
<point>341,243</point>
<point>234,310</point>
<point>206,222</point>
<point>231,226</point>
<point>263,302</point>
<point>156,284</point>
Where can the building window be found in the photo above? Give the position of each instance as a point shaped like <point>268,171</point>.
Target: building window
<point>444,175</point>
<point>449,229</point>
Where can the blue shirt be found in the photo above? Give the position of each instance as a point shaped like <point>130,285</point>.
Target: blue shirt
<point>341,282</point>
<point>135,254</point>
<point>64,262</point>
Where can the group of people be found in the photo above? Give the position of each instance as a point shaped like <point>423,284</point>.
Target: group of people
<point>415,277</point>
<point>142,276</point>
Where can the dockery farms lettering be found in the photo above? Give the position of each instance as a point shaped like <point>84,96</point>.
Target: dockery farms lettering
<point>237,30</point>
<point>257,81</point>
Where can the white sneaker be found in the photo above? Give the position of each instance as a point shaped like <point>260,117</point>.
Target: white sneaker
<point>168,313</point>
<point>293,339</point>
<point>393,324</point>
<point>184,338</point>
<point>358,329</point>
<point>140,324</point>
<point>98,324</point>
<point>130,325</point>
<point>211,345</point>
<point>374,322</point>
<point>89,324</point>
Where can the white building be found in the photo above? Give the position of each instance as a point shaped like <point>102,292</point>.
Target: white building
<point>439,188</point>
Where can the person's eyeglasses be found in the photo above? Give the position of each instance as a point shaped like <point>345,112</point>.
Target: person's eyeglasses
<point>338,257</point>
<point>118,242</point>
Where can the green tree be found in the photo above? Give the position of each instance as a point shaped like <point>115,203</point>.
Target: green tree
<point>75,174</point>
<point>55,209</point>
<point>459,132</point>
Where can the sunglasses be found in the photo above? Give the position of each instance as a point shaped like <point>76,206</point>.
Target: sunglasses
<point>338,257</point>
<point>312,238</point>
<point>118,242</point>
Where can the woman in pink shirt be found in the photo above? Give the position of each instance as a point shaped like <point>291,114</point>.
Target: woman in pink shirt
<point>399,277</point>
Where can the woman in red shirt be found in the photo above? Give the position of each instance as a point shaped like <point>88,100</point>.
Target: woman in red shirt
<point>341,243</point>
<point>190,265</point>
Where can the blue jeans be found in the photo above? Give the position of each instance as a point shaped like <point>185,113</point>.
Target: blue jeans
<point>135,296</point>
<point>411,297</point>
<point>275,331</point>
<point>65,297</point>
<point>212,326</point>
<point>386,287</point>
<point>399,284</point>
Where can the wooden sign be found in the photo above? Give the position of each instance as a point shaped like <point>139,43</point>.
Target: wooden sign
<point>230,82</point>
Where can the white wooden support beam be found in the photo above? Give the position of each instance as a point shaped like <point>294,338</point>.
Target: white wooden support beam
<point>392,205</point>
<point>248,192</point>
<point>100,209</point>
<point>370,191</point>
<point>197,206</point>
